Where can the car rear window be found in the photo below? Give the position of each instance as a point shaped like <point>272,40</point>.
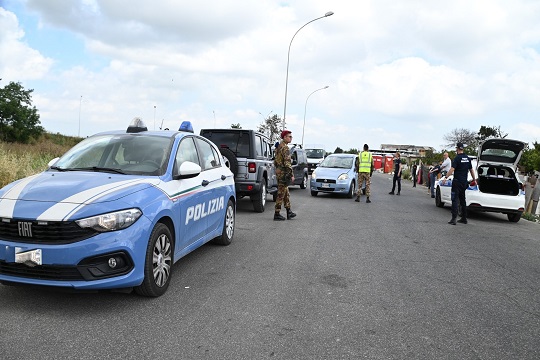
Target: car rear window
<point>499,155</point>
<point>237,141</point>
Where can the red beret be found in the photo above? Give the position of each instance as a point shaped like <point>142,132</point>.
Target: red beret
<point>285,133</point>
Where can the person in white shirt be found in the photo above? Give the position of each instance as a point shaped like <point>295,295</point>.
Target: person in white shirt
<point>446,164</point>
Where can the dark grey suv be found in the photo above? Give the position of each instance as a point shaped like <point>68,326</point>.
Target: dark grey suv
<point>299,164</point>
<point>250,157</point>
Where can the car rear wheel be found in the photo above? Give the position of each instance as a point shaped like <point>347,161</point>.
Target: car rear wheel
<point>438,200</point>
<point>352,190</point>
<point>228,226</point>
<point>303,184</point>
<point>514,217</point>
<point>158,263</point>
<point>259,200</point>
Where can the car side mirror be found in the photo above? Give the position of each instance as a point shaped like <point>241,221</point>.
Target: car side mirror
<point>187,170</point>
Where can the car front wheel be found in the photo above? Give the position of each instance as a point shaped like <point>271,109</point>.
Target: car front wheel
<point>314,193</point>
<point>158,263</point>
<point>303,184</point>
<point>438,200</point>
<point>352,190</point>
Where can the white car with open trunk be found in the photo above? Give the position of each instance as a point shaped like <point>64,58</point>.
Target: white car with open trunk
<point>498,189</point>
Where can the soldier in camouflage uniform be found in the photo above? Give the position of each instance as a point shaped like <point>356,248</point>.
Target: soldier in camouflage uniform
<point>284,173</point>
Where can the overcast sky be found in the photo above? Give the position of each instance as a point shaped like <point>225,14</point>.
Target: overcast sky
<point>403,72</point>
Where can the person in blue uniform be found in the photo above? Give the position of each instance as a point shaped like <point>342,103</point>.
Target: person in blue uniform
<point>460,167</point>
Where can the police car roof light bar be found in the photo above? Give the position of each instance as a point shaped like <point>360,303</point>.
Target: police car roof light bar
<point>136,125</point>
<point>186,126</point>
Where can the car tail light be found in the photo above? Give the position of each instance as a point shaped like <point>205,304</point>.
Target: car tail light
<point>252,167</point>
<point>250,187</point>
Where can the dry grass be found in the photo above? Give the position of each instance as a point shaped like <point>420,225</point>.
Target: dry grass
<point>21,160</point>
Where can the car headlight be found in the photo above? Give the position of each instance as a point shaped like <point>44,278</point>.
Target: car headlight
<point>112,221</point>
<point>314,175</point>
<point>343,176</point>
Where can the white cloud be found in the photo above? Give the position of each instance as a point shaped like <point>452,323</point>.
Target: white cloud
<point>19,61</point>
<point>404,72</point>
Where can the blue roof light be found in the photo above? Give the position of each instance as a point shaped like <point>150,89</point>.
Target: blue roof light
<point>186,126</point>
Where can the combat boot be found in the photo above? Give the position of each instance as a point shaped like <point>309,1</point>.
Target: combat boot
<point>452,221</point>
<point>357,199</point>
<point>368,201</point>
<point>278,216</point>
<point>290,214</point>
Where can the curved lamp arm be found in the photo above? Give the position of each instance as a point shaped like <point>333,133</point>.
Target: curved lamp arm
<point>330,13</point>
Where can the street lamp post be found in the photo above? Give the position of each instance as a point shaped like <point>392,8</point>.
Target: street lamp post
<point>80,105</point>
<point>305,108</point>
<point>330,13</point>
<point>154,117</point>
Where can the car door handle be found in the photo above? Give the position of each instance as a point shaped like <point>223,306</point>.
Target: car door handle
<point>205,182</point>
<point>223,177</point>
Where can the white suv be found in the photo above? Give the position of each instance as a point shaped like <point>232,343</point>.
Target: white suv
<point>499,189</point>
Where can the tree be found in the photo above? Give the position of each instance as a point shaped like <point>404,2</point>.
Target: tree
<point>530,159</point>
<point>465,136</point>
<point>352,151</point>
<point>271,127</point>
<point>19,120</point>
<point>236,126</point>
<point>338,150</point>
<point>486,132</point>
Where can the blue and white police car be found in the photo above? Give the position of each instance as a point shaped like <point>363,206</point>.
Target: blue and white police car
<point>117,211</point>
<point>499,188</point>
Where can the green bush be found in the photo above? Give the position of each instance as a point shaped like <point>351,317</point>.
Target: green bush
<point>530,217</point>
<point>406,174</point>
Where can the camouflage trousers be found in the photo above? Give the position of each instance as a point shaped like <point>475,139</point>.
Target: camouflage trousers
<point>361,177</point>
<point>283,196</point>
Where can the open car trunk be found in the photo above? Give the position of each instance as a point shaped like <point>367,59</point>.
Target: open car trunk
<point>497,179</point>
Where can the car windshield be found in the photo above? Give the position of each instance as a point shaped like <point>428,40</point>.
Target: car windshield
<point>315,153</point>
<point>337,162</point>
<point>119,153</point>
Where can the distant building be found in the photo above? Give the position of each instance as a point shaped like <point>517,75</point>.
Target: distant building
<point>406,150</point>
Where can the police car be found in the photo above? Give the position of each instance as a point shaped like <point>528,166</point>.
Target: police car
<point>116,211</point>
<point>498,189</point>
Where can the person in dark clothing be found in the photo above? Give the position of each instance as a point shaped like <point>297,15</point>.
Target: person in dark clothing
<point>414,169</point>
<point>397,174</point>
<point>460,167</point>
<point>433,176</point>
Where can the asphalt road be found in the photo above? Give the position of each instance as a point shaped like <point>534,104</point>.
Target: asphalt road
<point>343,280</point>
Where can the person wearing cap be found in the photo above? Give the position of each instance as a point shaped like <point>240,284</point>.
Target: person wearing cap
<point>365,168</point>
<point>460,166</point>
<point>284,173</point>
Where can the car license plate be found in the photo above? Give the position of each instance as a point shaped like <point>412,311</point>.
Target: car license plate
<point>30,257</point>
<point>325,185</point>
